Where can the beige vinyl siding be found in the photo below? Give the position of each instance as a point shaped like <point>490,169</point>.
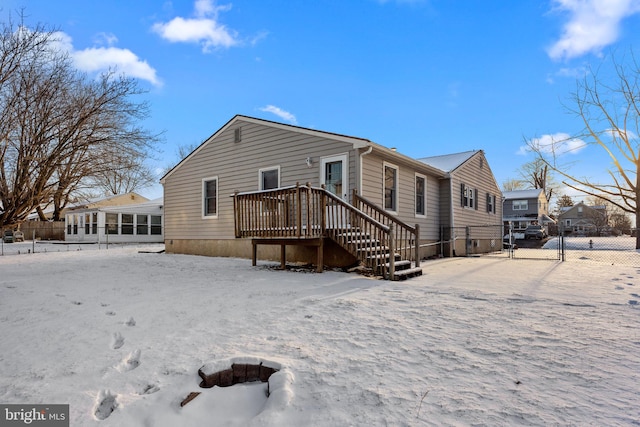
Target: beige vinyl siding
<point>373,190</point>
<point>476,174</point>
<point>236,164</point>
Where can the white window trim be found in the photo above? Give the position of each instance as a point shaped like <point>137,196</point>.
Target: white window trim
<point>386,165</point>
<point>521,201</point>
<point>472,202</point>
<point>261,170</point>
<point>204,195</point>
<point>415,197</point>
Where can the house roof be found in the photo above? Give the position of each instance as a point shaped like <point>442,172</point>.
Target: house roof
<point>532,193</point>
<point>149,206</point>
<point>356,142</point>
<point>448,162</point>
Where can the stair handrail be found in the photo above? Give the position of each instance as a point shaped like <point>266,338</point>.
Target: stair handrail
<point>412,232</point>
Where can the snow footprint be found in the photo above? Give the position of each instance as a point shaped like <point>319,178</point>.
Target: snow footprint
<point>106,403</point>
<point>132,361</point>
<point>117,340</point>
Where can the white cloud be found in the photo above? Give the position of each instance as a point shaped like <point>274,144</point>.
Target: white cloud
<point>102,58</point>
<point>285,115</point>
<point>204,29</point>
<point>592,25</point>
<point>558,144</point>
<point>99,59</point>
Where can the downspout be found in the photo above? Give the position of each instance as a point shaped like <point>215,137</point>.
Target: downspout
<point>359,183</point>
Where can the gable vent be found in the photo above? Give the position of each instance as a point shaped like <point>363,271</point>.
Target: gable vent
<point>237,135</point>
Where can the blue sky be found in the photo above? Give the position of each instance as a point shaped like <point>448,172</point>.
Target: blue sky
<point>428,77</point>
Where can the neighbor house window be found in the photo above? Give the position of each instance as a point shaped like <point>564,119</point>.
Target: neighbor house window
<point>520,205</point>
<point>421,190</point>
<point>390,187</point>
<point>210,197</point>
<point>127,223</point>
<point>94,223</point>
<point>142,224</point>
<point>269,178</point>
<point>156,224</point>
<point>111,223</point>
<point>491,203</point>
<point>87,223</point>
<point>469,196</point>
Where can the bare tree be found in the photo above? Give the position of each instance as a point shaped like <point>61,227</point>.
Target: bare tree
<point>536,173</point>
<point>512,185</point>
<point>609,107</point>
<point>58,127</point>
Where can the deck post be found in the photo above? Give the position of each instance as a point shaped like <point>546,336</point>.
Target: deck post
<point>417,245</point>
<point>320,260</point>
<point>283,257</point>
<point>392,253</point>
<point>298,211</point>
<point>254,252</point>
<point>236,214</point>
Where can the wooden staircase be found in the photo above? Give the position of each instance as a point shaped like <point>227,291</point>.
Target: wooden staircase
<point>298,214</point>
<point>376,256</point>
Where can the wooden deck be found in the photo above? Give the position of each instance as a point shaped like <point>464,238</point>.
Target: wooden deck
<point>304,215</point>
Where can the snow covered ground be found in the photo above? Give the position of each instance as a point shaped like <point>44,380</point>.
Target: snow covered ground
<point>120,335</point>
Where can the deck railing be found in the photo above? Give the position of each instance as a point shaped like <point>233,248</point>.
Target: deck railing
<point>302,212</point>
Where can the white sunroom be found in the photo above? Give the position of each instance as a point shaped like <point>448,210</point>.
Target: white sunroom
<point>139,223</point>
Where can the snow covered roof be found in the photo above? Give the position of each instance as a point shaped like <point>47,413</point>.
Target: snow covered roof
<point>448,162</point>
<point>532,193</point>
<point>152,206</point>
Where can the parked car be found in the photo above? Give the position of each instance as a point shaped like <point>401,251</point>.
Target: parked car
<point>7,236</point>
<point>10,236</point>
<point>535,232</point>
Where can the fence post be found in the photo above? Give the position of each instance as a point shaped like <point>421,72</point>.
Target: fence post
<point>417,243</point>
<point>467,236</point>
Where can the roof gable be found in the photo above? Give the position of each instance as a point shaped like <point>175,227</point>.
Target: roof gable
<point>356,142</point>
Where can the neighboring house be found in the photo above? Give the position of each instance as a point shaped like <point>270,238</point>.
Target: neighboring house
<point>526,207</point>
<point>582,219</point>
<point>267,166</point>
<point>105,222</point>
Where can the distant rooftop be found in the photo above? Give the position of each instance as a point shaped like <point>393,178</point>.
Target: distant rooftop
<point>532,193</point>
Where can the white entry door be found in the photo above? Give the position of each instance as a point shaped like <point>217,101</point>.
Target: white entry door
<point>334,174</point>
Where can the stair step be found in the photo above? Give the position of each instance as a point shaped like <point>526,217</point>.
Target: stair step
<point>408,273</point>
<point>381,251</point>
<point>400,265</point>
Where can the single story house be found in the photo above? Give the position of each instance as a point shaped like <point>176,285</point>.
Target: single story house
<point>116,223</point>
<point>255,179</point>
